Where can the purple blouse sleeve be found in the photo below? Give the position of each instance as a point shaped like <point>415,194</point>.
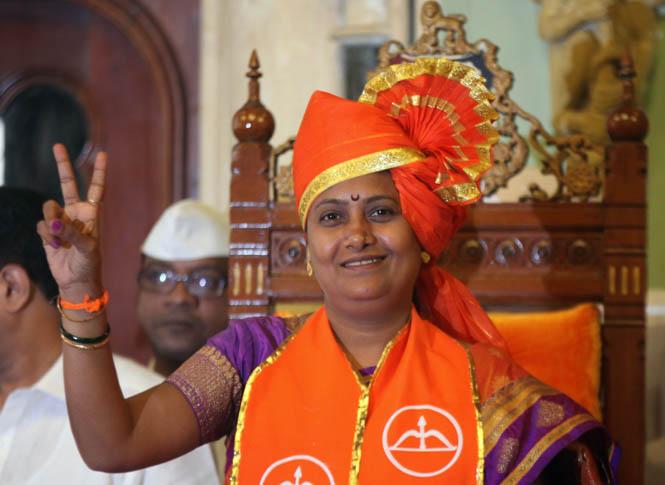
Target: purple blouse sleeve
<point>247,343</point>
<point>213,379</point>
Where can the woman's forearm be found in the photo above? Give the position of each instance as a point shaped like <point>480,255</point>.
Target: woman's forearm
<point>115,434</point>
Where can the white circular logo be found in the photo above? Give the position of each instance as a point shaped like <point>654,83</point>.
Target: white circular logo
<point>415,432</point>
<point>298,470</point>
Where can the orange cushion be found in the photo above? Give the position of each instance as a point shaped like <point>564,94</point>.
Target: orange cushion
<point>560,348</point>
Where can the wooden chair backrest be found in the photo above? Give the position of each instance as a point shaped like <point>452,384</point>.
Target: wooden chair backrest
<point>583,243</point>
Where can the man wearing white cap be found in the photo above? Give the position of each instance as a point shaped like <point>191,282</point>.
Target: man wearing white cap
<point>182,283</point>
<point>182,298</point>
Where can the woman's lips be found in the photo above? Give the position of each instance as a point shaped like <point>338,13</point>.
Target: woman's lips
<point>363,262</point>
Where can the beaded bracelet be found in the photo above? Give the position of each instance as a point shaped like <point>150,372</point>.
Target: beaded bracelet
<point>85,343</point>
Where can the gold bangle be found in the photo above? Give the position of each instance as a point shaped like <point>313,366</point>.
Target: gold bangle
<point>64,315</point>
<point>99,345</point>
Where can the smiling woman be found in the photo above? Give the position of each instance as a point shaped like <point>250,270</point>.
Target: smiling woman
<point>364,253</point>
<point>400,376</point>
<point>366,259</point>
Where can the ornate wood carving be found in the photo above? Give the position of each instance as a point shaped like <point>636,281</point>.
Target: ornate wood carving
<point>496,251</point>
<point>508,251</point>
<point>573,161</point>
<point>579,252</point>
<point>472,251</point>
<point>541,252</point>
<point>282,175</point>
<point>288,252</point>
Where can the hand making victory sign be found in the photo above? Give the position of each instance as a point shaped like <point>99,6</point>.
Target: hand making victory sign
<point>113,434</point>
<point>71,233</point>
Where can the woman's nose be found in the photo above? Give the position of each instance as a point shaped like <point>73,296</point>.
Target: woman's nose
<point>360,234</point>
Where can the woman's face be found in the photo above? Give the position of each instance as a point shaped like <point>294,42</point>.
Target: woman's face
<point>361,247</point>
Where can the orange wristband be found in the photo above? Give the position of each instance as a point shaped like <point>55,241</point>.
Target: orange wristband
<point>90,306</point>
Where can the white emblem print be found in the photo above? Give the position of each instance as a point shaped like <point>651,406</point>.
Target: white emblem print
<point>298,470</point>
<point>422,429</point>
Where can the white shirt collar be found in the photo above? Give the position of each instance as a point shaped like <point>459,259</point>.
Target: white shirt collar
<point>52,382</point>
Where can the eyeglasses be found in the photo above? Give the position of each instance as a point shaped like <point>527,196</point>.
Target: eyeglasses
<point>201,282</point>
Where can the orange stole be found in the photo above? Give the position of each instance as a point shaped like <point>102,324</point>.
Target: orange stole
<point>306,417</point>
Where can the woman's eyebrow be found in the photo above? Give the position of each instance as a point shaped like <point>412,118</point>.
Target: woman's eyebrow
<point>374,198</point>
<point>368,200</point>
<point>331,201</point>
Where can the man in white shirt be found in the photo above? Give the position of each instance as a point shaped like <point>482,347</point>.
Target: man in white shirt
<point>36,444</point>
<point>182,297</point>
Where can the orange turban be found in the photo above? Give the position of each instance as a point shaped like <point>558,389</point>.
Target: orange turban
<point>430,123</point>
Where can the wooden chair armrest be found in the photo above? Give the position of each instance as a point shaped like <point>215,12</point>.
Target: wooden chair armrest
<point>586,463</point>
<point>574,464</point>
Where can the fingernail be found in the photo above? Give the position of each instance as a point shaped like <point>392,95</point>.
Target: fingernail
<point>56,225</point>
<point>55,244</point>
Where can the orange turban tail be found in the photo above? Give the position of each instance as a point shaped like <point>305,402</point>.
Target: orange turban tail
<point>430,123</point>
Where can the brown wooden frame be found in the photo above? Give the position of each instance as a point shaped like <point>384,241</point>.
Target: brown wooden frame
<point>133,67</point>
<point>542,253</point>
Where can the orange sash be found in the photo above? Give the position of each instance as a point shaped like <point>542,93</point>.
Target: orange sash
<point>306,417</point>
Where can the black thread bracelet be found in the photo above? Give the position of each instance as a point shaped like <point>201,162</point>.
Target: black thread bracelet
<point>85,340</point>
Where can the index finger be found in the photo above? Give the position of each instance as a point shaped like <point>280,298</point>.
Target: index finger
<point>70,191</point>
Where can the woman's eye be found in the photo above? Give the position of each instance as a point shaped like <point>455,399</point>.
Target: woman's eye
<point>329,217</point>
<point>381,212</point>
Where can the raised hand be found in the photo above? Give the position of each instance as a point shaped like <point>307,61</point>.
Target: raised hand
<point>71,233</point>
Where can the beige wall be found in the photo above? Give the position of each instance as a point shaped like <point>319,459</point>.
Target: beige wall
<point>298,46</point>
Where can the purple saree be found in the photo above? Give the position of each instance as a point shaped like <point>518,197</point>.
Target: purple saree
<point>524,422</point>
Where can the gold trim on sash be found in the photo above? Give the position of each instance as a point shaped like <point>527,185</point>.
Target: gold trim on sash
<point>235,466</point>
<point>544,444</point>
<point>363,410</point>
<point>480,467</point>
<point>509,404</point>
<point>363,165</point>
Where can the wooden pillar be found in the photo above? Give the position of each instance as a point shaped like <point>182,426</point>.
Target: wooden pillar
<point>625,279</point>
<point>253,126</point>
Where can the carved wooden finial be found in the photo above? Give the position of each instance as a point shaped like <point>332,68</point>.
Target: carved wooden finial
<point>254,74</point>
<point>627,122</point>
<point>253,122</point>
<point>627,73</point>
<point>254,64</point>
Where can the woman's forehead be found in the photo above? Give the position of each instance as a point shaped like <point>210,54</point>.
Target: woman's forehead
<point>380,183</point>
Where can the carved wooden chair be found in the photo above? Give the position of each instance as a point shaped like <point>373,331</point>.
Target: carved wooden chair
<point>584,242</point>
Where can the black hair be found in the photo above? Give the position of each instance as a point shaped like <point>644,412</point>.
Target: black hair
<point>20,211</point>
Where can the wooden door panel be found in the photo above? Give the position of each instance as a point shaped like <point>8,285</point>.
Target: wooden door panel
<point>113,56</point>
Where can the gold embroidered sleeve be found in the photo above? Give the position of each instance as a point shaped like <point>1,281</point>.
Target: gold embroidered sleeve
<point>213,389</point>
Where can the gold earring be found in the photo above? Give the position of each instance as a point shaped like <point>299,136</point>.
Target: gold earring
<point>309,269</point>
<point>424,255</point>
